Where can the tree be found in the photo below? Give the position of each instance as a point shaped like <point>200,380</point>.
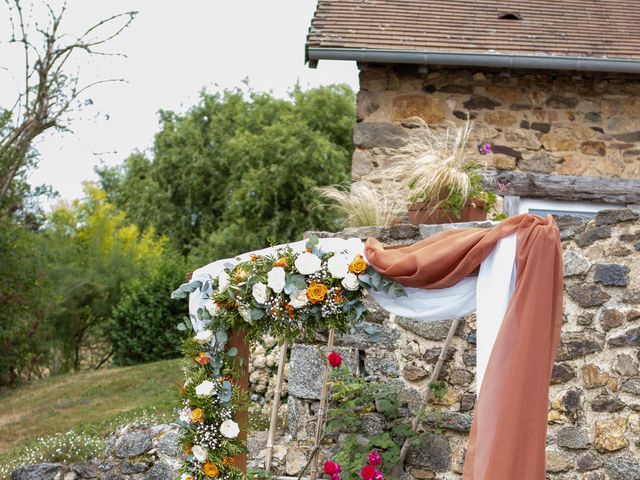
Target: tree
<point>50,90</point>
<point>24,335</point>
<point>93,252</point>
<point>236,171</point>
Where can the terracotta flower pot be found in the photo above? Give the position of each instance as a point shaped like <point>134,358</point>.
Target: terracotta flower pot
<point>424,213</point>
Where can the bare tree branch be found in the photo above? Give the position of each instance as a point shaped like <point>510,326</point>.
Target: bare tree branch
<point>50,90</point>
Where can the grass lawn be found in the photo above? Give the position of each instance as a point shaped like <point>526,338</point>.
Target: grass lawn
<point>92,402</point>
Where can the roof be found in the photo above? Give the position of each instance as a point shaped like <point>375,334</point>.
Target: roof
<point>581,30</point>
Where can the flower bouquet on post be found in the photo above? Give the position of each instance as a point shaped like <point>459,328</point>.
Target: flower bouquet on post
<point>292,295</point>
<point>287,294</point>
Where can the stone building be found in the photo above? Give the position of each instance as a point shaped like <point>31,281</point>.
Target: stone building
<point>554,86</point>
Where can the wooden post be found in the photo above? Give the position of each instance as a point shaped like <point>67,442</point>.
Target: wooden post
<point>275,405</point>
<point>238,340</point>
<point>398,467</point>
<point>313,473</point>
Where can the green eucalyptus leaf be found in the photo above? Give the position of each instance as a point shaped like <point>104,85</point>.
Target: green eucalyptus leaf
<point>221,337</point>
<point>312,242</point>
<point>257,313</point>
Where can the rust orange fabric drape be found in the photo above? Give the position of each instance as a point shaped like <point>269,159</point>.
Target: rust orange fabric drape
<point>508,434</point>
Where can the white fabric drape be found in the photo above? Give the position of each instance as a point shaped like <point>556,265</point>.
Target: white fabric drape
<point>488,294</point>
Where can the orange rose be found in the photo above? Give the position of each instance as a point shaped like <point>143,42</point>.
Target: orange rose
<point>210,469</point>
<point>202,358</point>
<point>290,310</point>
<point>228,461</point>
<point>316,292</point>
<point>281,262</point>
<point>254,258</point>
<point>197,415</point>
<point>358,265</point>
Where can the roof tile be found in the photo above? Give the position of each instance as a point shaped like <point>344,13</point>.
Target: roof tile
<point>581,28</point>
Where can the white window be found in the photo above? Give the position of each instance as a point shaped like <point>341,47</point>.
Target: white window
<point>541,207</point>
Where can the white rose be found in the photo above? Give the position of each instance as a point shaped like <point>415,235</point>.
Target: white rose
<point>299,300</point>
<point>203,337</point>
<point>200,453</point>
<point>350,282</point>
<point>224,280</point>
<point>245,313</point>
<point>338,266</point>
<point>212,307</point>
<point>259,292</point>
<point>185,415</point>
<point>229,429</point>
<point>308,263</point>
<point>205,389</point>
<point>276,279</point>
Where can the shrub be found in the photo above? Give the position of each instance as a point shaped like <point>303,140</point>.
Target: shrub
<point>145,318</point>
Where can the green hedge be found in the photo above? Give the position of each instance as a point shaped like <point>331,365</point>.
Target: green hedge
<point>144,320</point>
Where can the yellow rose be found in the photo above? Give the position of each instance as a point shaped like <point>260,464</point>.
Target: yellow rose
<point>197,415</point>
<point>281,262</point>
<point>316,292</point>
<point>358,265</point>
<point>210,469</point>
<point>228,461</point>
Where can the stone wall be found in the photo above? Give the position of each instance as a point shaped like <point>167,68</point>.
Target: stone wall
<point>537,122</point>
<point>594,404</point>
<point>134,452</point>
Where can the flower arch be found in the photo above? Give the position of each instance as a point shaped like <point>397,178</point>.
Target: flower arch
<point>293,291</point>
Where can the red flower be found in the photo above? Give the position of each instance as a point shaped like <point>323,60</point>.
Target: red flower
<point>332,468</point>
<point>335,360</point>
<point>374,458</point>
<point>369,472</point>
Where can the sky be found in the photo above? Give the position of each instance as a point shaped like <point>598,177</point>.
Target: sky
<point>173,50</point>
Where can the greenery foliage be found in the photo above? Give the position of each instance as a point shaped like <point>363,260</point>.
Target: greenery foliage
<point>93,253</point>
<point>352,399</point>
<point>142,327</point>
<point>23,329</point>
<point>89,283</point>
<point>236,171</point>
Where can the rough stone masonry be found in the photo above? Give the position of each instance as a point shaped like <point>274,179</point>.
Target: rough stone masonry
<point>594,404</point>
<point>557,123</point>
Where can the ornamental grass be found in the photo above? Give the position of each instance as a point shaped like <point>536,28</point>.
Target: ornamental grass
<point>363,203</point>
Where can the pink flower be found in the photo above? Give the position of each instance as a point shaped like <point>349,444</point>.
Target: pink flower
<point>369,472</point>
<point>502,187</point>
<point>332,468</point>
<point>335,360</point>
<point>374,458</point>
<point>485,149</point>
